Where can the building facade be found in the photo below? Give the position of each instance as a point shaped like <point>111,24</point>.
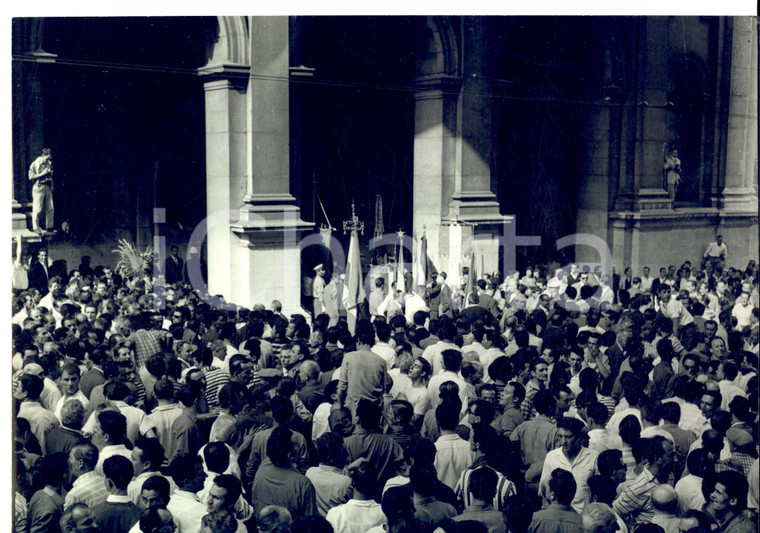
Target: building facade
<point>514,131</point>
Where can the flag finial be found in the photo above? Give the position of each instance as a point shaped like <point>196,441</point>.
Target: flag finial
<point>354,223</point>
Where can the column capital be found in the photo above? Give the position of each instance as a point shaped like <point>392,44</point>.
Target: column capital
<point>233,73</point>
<point>434,86</point>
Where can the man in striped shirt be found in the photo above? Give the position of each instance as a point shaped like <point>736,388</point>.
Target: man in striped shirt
<point>634,503</point>
<point>89,488</point>
<point>484,441</point>
<point>215,378</point>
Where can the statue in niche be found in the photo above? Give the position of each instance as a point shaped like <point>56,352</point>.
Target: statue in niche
<point>672,173</point>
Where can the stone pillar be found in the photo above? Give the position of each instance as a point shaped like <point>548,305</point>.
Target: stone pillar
<point>623,200</point>
<point>266,264</point>
<point>28,124</point>
<point>453,150</point>
<point>650,125</point>
<point>473,200</point>
<point>595,184</point>
<point>473,197</point>
<point>435,111</point>
<point>226,167</point>
<point>740,189</point>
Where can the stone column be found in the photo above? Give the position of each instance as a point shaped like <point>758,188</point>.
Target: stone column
<point>266,264</point>
<point>435,111</point>
<point>650,125</point>
<point>594,186</point>
<point>28,71</point>
<point>473,200</point>
<point>226,168</point>
<point>740,189</point>
<point>226,81</point>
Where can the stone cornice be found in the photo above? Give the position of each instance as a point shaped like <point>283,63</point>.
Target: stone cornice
<point>234,73</point>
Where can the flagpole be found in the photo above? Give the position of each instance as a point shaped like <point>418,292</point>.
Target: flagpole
<point>400,282</point>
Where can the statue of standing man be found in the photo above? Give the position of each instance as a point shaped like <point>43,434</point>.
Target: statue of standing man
<point>672,170</point>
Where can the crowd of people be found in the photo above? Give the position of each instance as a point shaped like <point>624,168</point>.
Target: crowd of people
<point>541,402</point>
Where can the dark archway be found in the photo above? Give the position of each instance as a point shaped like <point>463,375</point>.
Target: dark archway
<point>687,96</point>
<point>555,69</point>
<point>124,115</point>
<point>354,131</point>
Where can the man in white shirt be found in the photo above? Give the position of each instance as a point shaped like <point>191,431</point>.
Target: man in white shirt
<point>573,457</point>
<point>165,413</point>
<point>716,253</point>
<point>361,512</point>
<point>689,487</point>
<point>742,311</point>
<point>110,430</point>
<point>70,376</point>
<point>432,354</point>
<point>138,422</point>
<point>452,363</point>
<point>50,394</point>
<point>453,454</point>
<point>413,303</point>
<point>646,280</point>
<point>673,309</point>
<point>187,472</point>
<point>40,419</point>
<point>381,347</point>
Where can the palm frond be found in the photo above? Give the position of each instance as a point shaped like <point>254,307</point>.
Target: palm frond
<point>130,261</point>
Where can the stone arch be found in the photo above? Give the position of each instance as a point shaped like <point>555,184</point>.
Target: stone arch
<point>439,51</point>
<point>687,67</point>
<point>232,42</point>
<point>612,36</point>
<point>687,104</point>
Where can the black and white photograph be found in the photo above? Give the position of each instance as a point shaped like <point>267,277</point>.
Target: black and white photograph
<point>229,231</point>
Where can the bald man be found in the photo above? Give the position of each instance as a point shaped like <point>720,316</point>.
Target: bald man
<point>312,392</point>
<point>665,503</point>
<point>599,518</point>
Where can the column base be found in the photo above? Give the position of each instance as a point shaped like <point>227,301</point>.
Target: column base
<point>266,265</point>
<point>20,228</point>
<point>474,207</point>
<point>735,200</point>
<point>652,199</point>
<point>459,239</point>
<point>474,222</point>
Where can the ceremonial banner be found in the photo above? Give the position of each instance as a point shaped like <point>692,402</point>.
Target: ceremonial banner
<point>420,267</point>
<point>325,234</point>
<point>353,292</point>
<point>471,279</point>
<point>400,282</point>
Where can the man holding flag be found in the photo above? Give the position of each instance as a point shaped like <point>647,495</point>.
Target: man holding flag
<point>444,305</point>
<point>420,262</point>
